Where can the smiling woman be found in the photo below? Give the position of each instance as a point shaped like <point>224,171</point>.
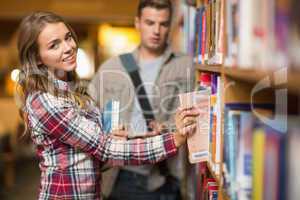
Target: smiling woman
<point>64,122</point>
<point>47,48</point>
<point>57,49</point>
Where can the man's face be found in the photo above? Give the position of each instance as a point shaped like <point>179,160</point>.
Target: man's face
<point>154,27</point>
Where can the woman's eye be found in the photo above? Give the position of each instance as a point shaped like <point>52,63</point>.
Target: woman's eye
<point>69,37</point>
<point>54,46</point>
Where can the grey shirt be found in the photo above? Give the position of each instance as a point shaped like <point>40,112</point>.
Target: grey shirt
<point>148,73</point>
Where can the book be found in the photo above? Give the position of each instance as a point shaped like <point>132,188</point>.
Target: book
<point>110,116</point>
<point>198,143</point>
<point>244,159</point>
<point>230,152</point>
<point>258,163</point>
<point>293,162</point>
<point>271,164</point>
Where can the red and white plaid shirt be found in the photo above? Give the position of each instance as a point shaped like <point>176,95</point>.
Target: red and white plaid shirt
<point>72,147</point>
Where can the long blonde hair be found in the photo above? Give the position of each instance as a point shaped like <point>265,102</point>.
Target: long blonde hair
<point>34,76</point>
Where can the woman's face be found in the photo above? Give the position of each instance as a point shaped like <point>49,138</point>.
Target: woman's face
<point>57,48</point>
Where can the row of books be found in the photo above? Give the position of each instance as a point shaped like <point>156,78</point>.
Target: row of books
<point>252,159</point>
<point>259,160</point>
<point>203,28</point>
<point>204,185</point>
<point>258,33</point>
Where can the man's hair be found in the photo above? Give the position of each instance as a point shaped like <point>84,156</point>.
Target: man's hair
<point>157,4</point>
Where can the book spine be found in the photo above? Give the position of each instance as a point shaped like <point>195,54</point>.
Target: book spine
<point>115,115</point>
<point>258,164</point>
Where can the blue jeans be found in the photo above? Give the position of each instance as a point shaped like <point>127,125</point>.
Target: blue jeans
<point>133,186</point>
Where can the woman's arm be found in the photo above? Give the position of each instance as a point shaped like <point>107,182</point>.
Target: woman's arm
<point>66,122</point>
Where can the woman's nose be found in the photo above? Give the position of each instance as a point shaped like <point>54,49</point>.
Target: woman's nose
<point>67,47</point>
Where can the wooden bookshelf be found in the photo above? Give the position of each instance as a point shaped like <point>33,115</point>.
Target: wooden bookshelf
<point>240,85</point>
<point>209,68</point>
<point>253,76</point>
<point>247,75</point>
<point>294,82</point>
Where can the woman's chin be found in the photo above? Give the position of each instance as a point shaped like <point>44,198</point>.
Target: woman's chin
<point>70,68</point>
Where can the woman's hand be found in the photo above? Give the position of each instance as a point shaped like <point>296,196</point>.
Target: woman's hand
<point>157,127</point>
<point>185,120</point>
<point>120,133</point>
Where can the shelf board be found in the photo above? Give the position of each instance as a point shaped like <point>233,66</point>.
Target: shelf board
<point>209,68</point>
<point>254,76</point>
<point>294,82</point>
<point>247,75</point>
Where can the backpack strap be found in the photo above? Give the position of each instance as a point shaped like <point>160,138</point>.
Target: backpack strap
<point>131,66</point>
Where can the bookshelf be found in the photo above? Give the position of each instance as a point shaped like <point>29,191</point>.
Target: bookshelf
<point>253,75</point>
<point>210,68</point>
<point>294,82</point>
<point>255,88</point>
<point>247,75</point>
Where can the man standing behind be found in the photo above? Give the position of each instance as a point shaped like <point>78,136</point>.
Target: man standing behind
<point>164,74</point>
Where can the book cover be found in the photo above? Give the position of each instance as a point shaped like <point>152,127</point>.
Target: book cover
<point>110,116</point>
<point>232,124</point>
<point>244,164</point>
<point>258,164</point>
<point>218,125</point>
<point>292,161</point>
<point>198,143</point>
<point>271,164</point>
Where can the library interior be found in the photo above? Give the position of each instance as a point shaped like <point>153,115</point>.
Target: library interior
<point>245,72</point>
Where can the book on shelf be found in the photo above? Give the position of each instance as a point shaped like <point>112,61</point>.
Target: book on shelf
<point>269,161</point>
<point>293,162</point>
<point>262,29</point>
<point>215,124</point>
<point>294,35</point>
<point>258,161</point>
<point>230,152</point>
<point>189,13</point>
<point>258,164</point>
<point>245,34</point>
<point>272,164</point>
<point>208,33</point>
<point>254,155</point>
<point>244,156</point>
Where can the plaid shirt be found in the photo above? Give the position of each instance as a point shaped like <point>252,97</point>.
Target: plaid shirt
<point>72,147</point>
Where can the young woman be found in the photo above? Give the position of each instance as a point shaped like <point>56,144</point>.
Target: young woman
<point>63,122</point>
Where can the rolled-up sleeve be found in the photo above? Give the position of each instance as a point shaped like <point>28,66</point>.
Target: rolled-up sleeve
<point>63,120</point>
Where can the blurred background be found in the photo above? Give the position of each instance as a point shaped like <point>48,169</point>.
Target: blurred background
<point>104,28</point>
